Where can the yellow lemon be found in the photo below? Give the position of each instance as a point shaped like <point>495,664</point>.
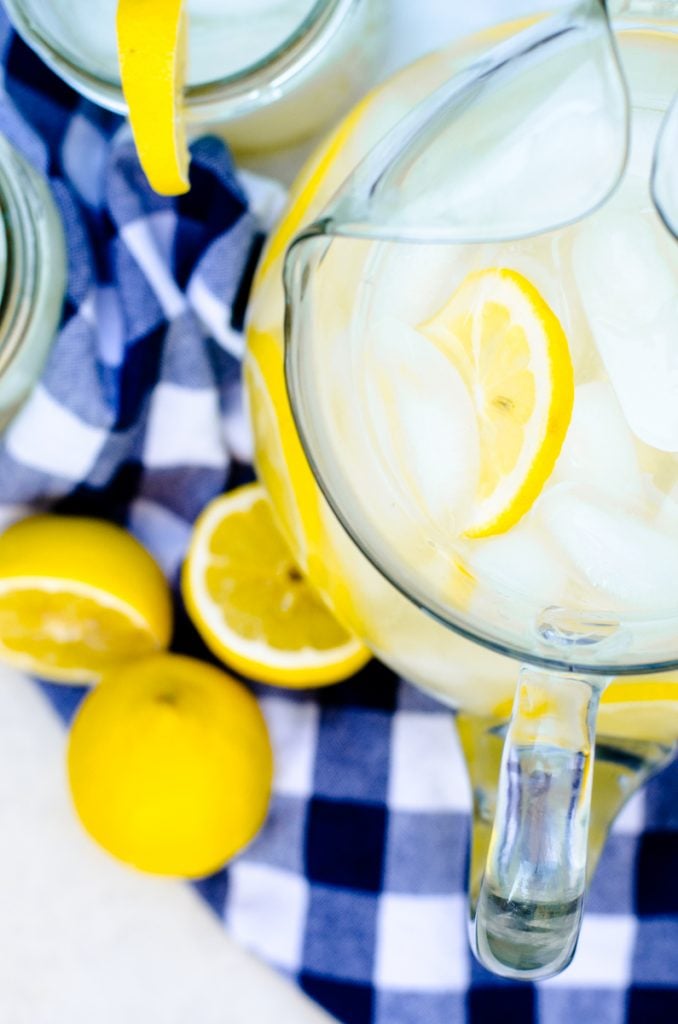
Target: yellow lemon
<point>170,766</point>
<point>281,463</point>
<point>152,44</point>
<point>641,708</point>
<point>77,596</point>
<point>513,354</point>
<point>252,605</point>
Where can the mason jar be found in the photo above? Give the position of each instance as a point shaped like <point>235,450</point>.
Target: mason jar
<point>271,72</point>
<point>32,277</point>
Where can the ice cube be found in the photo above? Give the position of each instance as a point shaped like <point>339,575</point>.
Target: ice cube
<point>520,562</point>
<point>414,281</point>
<point>422,421</point>
<point>599,451</point>
<point>627,273</point>
<point>624,557</point>
<point>535,140</point>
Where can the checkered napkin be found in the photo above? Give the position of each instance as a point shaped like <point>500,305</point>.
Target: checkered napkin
<point>355,886</point>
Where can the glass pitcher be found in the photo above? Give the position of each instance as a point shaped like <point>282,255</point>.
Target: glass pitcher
<point>484,451</point>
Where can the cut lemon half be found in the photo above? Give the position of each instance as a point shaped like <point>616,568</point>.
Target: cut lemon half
<point>152,52</point>
<point>251,604</point>
<point>78,596</point>
<point>513,354</point>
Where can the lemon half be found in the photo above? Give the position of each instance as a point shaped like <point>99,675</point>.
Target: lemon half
<point>251,604</point>
<point>78,595</point>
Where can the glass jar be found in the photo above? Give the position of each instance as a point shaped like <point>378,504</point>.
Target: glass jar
<point>271,71</point>
<point>32,277</point>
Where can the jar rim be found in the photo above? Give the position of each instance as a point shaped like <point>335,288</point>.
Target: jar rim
<point>20,279</point>
<point>230,97</point>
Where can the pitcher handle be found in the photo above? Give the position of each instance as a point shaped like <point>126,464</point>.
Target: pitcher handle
<point>530,905</point>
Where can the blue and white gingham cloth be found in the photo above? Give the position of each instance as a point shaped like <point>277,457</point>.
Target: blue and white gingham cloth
<point>355,886</point>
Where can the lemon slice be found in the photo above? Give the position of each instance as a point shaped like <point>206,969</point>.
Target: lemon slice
<point>512,353</point>
<point>152,46</point>
<point>251,604</point>
<point>632,708</point>
<point>170,765</point>
<point>77,596</point>
<point>641,708</point>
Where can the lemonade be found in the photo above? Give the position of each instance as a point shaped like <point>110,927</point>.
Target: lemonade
<point>222,40</point>
<point>399,419</point>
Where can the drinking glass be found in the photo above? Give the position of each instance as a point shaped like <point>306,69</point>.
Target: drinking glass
<point>535,179</point>
<point>271,71</point>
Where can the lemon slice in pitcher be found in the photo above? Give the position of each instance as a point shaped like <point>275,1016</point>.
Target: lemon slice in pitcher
<point>252,605</point>
<point>641,708</point>
<point>513,355</point>
<point>152,49</point>
<point>78,596</point>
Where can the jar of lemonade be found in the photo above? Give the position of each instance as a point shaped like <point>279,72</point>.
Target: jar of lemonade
<point>32,277</point>
<point>270,71</point>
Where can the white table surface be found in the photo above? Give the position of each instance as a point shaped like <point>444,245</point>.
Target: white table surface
<point>84,940</point>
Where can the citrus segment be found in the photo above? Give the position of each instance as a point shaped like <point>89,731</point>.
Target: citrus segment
<point>641,708</point>
<point>251,603</point>
<point>633,708</point>
<point>513,355</point>
<point>77,596</point>
<point>152,49</point>
<point>170,766</point>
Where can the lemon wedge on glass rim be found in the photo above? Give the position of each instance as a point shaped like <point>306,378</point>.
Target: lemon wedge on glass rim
<point>78,596</point>
<point>152,53</point>
<point>251,604</point>
<point>513,355</point>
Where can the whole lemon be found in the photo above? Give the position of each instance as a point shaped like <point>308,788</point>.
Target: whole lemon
<point>170,765</point>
